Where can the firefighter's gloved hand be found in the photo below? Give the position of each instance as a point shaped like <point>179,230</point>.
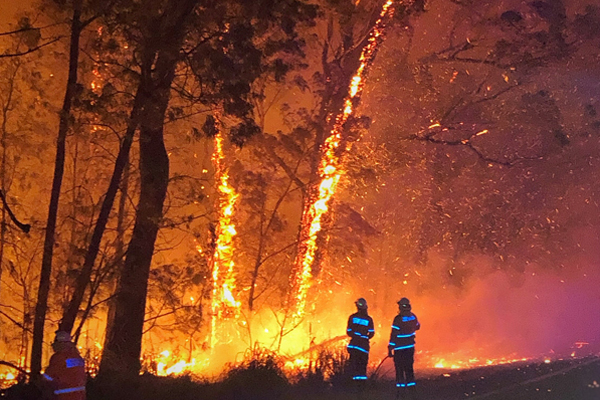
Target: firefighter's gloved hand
<point>390,353</point>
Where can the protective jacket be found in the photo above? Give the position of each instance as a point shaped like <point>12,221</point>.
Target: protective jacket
<point>403,331</point>
<point>66,373</point>
<point>360,329</point>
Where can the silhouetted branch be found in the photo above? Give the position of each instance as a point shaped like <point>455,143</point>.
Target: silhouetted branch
<point>24,227</point>
<point>469,144</point>
<point>11,365</point>
<point>31,50</point>
<point>11,319</point>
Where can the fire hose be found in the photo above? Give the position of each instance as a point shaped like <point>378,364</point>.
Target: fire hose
<point>379,366</point>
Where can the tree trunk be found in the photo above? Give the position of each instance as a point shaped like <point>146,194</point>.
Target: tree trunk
<point>119,247</point>
<point>123,347</point>
<point>68,319</point>
<point>49,239</point>
<point>5,111</point>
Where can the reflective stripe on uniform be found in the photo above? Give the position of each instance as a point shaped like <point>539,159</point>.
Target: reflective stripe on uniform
<point>47,377</point>
<point>359,378</point>
<point>404,347</point>
<point>357,348</point>
<point>409,335</point>
<point>75,362</point>
<point>411,384</point>
<point>70,390</point>
<point>360,321</point>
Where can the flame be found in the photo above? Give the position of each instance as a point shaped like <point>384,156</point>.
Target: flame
<point>7,379</point>
<point>223,303</point>
<point>329,173</point>
<point>97,82</point>
<point>176,367</point>
<point>466,363</point>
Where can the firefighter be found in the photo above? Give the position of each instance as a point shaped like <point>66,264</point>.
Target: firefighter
<point>66,371</point>
<point>402,344</point>
<point>361,330</point>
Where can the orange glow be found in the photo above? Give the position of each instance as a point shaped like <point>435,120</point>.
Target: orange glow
<point>316,206</point>
<point>223,303</point>
<point>97,82</point>
<point>460,363</point>
<point>7,379</point>
<point>166,365</point>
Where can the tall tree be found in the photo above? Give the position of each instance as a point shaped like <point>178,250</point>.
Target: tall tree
<point>160,52</point>
<point>49,239</point>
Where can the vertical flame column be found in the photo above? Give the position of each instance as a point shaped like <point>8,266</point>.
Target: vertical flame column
<point>330,169</point>
<point>224,304</point>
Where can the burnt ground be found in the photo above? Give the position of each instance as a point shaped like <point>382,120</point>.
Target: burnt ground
<point>572,379</point>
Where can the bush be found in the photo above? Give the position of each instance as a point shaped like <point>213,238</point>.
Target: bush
<point>327,368</point>
<point>259,377</point>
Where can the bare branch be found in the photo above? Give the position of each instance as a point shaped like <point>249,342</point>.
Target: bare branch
<point>11,365</point>
<point>11,319</point>
<point>469,144</point>
<point>31,50</point>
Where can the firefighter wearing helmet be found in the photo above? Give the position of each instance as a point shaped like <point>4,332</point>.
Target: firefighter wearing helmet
<point>402,344</point>
<point>361,330</point>
<point>65,374</point>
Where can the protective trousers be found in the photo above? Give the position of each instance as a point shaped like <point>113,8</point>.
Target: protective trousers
<point>403,361</point>
<point>358,364</point>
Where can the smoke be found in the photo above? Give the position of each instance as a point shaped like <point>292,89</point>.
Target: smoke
<point>499,316</point>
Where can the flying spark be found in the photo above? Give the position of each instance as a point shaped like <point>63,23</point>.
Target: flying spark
<point>329,173</point>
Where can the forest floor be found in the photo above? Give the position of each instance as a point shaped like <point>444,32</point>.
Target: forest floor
<point>568,379</point>
<point>573,379</point>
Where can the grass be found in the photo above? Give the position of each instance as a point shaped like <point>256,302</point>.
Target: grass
<point>261,377</point>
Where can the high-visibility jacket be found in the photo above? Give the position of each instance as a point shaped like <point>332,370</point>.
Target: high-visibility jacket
<point>66,373</point>
<point>403,331</point>
<point>360,329</point>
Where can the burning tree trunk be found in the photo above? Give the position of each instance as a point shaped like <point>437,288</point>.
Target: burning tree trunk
<point>161,54</point>
<point>316,211</point>
<point>49,239</point>
<point>224,304</point>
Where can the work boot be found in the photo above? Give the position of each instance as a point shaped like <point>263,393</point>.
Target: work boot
<point>400,391</point>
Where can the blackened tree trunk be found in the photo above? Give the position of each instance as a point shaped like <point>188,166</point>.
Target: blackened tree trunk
<point>161,54</point>
<point>49,239</point>
<point>68,319</point>
<point>5,111</point>
<point>119,251</point>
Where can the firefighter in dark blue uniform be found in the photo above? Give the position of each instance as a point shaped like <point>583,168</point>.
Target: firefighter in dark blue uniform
<point>361,330</point>
<point>402,344</point>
